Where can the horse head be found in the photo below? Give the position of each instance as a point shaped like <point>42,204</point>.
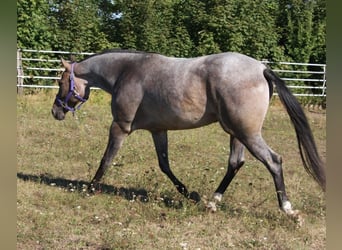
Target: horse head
<point>72,93</point>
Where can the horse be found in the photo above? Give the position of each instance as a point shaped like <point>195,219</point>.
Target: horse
<point>158,93</point>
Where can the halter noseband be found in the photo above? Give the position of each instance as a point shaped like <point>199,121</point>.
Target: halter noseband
<point>72,92</point>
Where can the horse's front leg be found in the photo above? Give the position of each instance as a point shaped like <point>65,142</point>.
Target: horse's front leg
<point>116,138</point>
<point>161,145</point>
<point>235,161</point>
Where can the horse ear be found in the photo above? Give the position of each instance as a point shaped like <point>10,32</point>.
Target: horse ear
<point>66,65</point>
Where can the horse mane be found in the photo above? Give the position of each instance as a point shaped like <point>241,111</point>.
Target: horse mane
<point>117,50</point>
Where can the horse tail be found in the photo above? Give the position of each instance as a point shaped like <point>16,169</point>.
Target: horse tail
<point>307,147</point>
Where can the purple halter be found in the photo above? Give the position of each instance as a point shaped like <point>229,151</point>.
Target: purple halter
<point>71,93</point>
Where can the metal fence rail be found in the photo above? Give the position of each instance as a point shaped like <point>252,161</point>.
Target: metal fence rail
<point>41,68</point>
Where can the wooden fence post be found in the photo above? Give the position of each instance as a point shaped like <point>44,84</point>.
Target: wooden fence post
<point>20,73</point>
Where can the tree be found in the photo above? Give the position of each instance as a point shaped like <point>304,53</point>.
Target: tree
<point>33,24</point>
<point>143,25</point>
<point>303,25</point>
<point>247,27</point>
<point>77,26</point>
<point>318,53</point>
<point>33,31</point>
<point>273,29</point>
<point>229,25</point>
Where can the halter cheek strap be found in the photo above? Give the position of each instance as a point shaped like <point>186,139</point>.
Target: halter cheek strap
<point>72,92</point>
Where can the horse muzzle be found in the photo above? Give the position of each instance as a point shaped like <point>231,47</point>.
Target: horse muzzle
<point>58,112</point>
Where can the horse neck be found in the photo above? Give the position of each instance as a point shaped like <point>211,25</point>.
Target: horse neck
<point>102,71</point>
<point>94,71</point>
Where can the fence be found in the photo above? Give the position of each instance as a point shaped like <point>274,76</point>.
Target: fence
<point>41,68</point>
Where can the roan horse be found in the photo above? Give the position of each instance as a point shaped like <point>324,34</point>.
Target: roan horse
<point>158,93</point>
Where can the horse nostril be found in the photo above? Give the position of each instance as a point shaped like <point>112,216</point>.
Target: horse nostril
<point>57,114</point>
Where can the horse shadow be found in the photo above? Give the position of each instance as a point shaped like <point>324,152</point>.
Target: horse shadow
<point>80,186</point>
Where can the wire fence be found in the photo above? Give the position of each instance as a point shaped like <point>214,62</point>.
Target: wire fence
<point>41,69</point>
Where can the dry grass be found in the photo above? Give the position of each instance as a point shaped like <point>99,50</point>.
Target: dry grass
<point>139,208</point>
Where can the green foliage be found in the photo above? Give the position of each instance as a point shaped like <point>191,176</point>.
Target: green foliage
<point>33,30</point>
<point>318,53</point>
<point>292,30</point>
<point>145,25</point>
<point>77,26</point>
<point>303,25</point>
<point>275,30</point>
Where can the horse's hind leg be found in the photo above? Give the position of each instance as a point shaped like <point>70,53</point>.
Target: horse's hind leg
<point>116,138</point>
<point>235,162</point>
<point>161,145</point>
<point>258,147</point>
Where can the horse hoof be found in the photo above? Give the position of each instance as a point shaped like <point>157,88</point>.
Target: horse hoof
<point>194,196</point>
<point>211,207</point>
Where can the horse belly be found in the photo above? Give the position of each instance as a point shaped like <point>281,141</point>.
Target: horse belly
<point>183,114</point>
<point>187,119</point>
<point>173,122</point>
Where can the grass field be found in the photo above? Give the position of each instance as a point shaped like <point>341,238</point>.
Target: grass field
<point>139,208</point>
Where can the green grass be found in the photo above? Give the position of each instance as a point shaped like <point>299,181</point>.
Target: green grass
<point>139,208</point>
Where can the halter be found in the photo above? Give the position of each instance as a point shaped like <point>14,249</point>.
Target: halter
<point>72,92</point>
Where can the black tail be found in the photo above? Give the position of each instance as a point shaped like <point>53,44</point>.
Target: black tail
<point>307,147</point>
